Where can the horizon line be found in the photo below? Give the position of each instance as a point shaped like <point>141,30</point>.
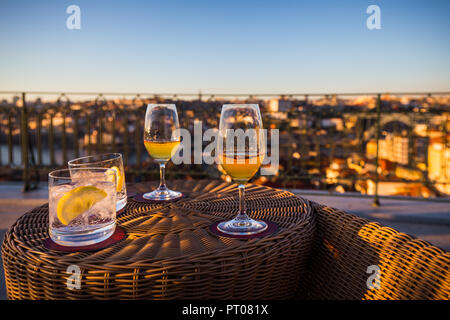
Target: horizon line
<point>200,93</point>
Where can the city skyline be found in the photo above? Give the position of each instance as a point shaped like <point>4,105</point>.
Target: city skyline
<point>262,47</point>
<point>413,137</point>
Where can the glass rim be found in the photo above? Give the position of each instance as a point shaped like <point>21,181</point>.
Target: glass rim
<point>83,164</point>
<point>150,105</point>
<point>240,105</point>
<point>54,174</point>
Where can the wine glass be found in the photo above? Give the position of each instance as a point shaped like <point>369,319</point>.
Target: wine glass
<point>161,139</point>
<point>241,150</point>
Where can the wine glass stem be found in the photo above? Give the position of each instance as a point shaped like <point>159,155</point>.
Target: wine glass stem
<point>162,176</point>
<point>242,208</point>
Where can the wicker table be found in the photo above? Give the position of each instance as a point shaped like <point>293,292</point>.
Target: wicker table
<point>169,253</point>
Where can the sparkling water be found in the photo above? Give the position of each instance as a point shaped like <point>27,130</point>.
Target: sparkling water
<point>93,225</point>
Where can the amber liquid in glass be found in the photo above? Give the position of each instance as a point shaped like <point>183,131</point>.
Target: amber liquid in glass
<point>239,167</point>
<point>161,150</point>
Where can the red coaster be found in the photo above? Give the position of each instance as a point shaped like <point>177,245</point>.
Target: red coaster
<point>118,235</point>
<point>139,198</point>
<point>272,228</point>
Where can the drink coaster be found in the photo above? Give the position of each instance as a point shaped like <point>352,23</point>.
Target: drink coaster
<point>139,198</point>
<point>120,211</point>
<point>272,228</point>
<point>118,235</point>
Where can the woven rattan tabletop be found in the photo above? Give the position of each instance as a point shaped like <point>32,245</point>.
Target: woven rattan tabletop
<point>168,252</point>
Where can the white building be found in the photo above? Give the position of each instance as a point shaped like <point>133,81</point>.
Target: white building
<point>276,105</point>
<point>394,148</point>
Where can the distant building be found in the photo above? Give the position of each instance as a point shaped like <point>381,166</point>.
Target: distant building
<point>398,188</point>
<point>421,129</point>
<point>338,123</point>
<point>278,105</point>
<point>371,149</point>
<point>420,150</point>
<point>394,148</point>
<point>278,115</point>
<point>334,171</point>
<point>18,102</point>
<point>439,165</point>
<point>295,123</point>
<point>408,174</point>
<point>401,147</point>
<point>386,166</point>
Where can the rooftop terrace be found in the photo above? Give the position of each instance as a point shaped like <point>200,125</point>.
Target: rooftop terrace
<point>429,220</point>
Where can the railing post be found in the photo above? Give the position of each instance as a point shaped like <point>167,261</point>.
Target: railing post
<point>304,144</point>
<point>138,138</point>
<point>100,131</point>
<point>411,144</point>
<point>39,137</point>
<point>444,163</point>
<point>360,135</point>
<point>89,148</point>
<point>10,141</point>
<point>317,146</point>
<point>51,140</point>
<point>290,150</point>
<point>125,138</point>
<point>113,132</point>
<point>24,143</point>
<point>75,134</point>
<point>376,200</point>
<point>1,144</point>
<point>64,135</point>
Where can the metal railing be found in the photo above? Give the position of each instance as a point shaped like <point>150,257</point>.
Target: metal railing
<point>47,134</point>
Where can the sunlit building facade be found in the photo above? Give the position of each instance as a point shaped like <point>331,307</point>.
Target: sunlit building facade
<point>439,165</point>
<point>394,148</point>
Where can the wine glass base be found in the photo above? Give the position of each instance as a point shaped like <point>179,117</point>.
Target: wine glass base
<point>162,195</point>
<point>242,227</point>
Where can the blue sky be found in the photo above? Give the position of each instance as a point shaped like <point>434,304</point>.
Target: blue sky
<point>225,46</point>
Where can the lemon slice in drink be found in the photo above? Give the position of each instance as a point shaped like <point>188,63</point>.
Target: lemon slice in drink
<point>119,177</point>
<point>77,201</point>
